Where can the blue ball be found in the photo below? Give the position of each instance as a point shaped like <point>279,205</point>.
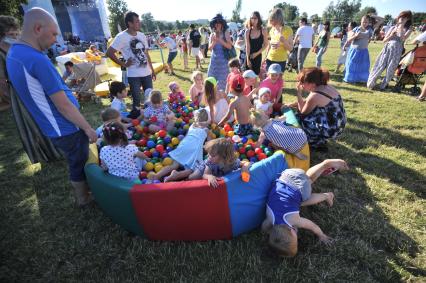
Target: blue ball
<point>253,159</point>
<point>244,139</point>
<point>156,181</point>
<point>182,124</point>
<point>236,146</point>
<point>180,132</point>
<point>165,154</point>
<point>155,154</point>
<point>150,144</point>
<point>144,181</point>
<point>169,148</point>
<point>180,137</point>
<point>167,139</point>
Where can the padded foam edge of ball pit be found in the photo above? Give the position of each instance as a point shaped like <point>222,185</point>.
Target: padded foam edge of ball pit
<point>112,195</point>
<point>93,154</point>
<point>183,211</point>
<point>247,201</point>
<point>294,162</point>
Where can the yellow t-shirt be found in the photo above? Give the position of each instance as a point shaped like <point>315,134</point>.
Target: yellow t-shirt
<point>279,54</point>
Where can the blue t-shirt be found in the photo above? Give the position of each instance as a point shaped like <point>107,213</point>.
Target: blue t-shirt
<point>35,80</point>
<point>282,201</point>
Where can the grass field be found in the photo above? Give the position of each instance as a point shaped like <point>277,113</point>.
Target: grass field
<point>378,219</point>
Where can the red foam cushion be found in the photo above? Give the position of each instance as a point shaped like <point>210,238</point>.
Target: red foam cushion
<point>182,211</point>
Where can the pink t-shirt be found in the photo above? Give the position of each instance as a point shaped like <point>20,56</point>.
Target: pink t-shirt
<point>276,88</point>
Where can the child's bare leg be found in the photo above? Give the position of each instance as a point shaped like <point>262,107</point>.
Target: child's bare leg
<point>178,175</point>
<point>316,171</point>
<point>317,198</point>
<point>165,171</point>
<point>196,175</point>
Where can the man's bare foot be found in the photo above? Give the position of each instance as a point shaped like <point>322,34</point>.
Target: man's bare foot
<point>329,199</point>
<point>171,177</point>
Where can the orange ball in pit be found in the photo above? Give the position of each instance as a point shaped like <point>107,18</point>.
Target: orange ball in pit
<point>162,133</point>
<point>135,122</point>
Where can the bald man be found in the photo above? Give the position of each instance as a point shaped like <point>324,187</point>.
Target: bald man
<point>48,99</point>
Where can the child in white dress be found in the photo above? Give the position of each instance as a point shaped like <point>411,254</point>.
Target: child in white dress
<point>263,103</point>
<point>120,158</point>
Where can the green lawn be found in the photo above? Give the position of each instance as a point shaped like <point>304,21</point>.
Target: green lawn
<point>378,219</point>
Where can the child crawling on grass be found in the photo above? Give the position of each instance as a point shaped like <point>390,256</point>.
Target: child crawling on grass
<point>291,191</point>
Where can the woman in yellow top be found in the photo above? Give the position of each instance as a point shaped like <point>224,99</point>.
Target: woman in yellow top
<point>94,55</point>
<point>281,40</point>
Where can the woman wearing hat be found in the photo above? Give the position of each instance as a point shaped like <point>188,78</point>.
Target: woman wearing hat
<point>220,40</point>
<point>281,40</point>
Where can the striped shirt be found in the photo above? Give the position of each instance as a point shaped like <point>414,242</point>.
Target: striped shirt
<point>285,136</point>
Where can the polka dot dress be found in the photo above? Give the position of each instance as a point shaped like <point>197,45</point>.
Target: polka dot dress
<point>120,160</point>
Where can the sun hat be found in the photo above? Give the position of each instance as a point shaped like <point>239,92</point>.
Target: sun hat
<point>249,74</point>
<point>264,90</point>
<point>237,83</point>
<point>218,19</point>
<point>275,69</point>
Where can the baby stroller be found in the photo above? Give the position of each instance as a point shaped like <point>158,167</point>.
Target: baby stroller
<point>87,79</point>
<point>292,59</point>
<point>411,69</point>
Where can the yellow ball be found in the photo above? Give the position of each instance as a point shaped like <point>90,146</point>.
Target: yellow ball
<point>149,176</point>
<point>170,145</point>
<point>230,134</point>
<point>152,150</point>
<point>186,127</point>
<point>237,154</point>
<point>149,166</point>
<point>158,167</point>
<point>249,141</point>
<point>179,120</point>
<point>175,141</point>
<point>214,126</point>
<point>222,132</point>
<point>156,134</point>
<point>167,161</point>
<point>212,135</point>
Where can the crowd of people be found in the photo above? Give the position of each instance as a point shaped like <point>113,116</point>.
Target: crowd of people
<point>243,91</point>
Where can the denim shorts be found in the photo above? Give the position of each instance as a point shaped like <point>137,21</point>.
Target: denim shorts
<point>172,56</point>
<point>75,148</point>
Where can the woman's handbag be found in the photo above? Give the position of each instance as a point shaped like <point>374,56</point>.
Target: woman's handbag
<point>229,53</point>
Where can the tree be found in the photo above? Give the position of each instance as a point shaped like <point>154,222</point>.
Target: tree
<point>388,19</point>
<point>419,18</point>
<point>314,18</point>
<point>290,12</point>
<point>343,11</point>
<point>236,12</point>
<point>12,8</point>
<point>303,15</point>
<point>366,10</point>
<point>148,23</point>
<point>117,9</point>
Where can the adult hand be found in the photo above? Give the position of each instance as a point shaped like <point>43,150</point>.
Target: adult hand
<point>153,76</point>
<point>248,63</point>
<point>128,63</point>
<point>91,134</point>
<point>299,87</point>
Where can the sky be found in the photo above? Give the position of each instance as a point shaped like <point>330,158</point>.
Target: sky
<point>172,10</point>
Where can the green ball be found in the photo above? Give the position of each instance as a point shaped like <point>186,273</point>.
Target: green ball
<point>240,145</point>
<point>136,136</point>
<point>160,141</point>
<point>269,153</point>
<point>249,147</point>
<point>243,156</point>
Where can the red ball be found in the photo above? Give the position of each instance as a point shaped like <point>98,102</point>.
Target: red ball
<point>147,153</point>
<point>141,142</point>
<point>146,129</point>
<point>261,156</point>
<point>242,150</point>
<point>162,133</point>
<point>153,119</point>
<point>159,148</point>
<point>250,153</point>
<point>135,122</point>
<point>143,175</point>
<point>258,151</point>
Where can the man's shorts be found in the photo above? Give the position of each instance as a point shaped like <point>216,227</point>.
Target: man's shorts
<point>75,148</point>
<point>195,51</point>
<point>172,56</point>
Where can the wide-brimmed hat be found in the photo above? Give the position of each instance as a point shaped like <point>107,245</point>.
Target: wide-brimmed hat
<point>218,19</point>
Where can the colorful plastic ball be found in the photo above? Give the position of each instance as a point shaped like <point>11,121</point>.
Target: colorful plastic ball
<point>164,155</point>
<point>159,148</point>
<point>162,133</point>
<point>244,139</point>
<point>181,137</point>
<point>156,181</point>
<point>158,167</point>
<point>153,119</point>
<point>186,127</point>
<point>240,145</point>
<point>160,141</point>
<point>222,132</point>
<point>236,138</point>
<point>150,144</point>
<point>236,146</point>
<point>136,136</point>
<point>227,128</point>
<point>135,122</point>
<point>141,142</point>
<point>150,174</point>
<point>143,175</point>
<point>250,153</point>
<point>167,161</point>
<point>180,131</point>
<point>261,156</point>
<point>149,166</point>
<point>175,141</point>
<point>167,139</point>
<point>242,150</point>
<point>147,153</point>
<point>155,154</point>
<point>249,147</point>
<point>258,150</point>
<point>169,148</point>
<point>253,159</point>
<point>243,156</point>
<point>230,133</point>
<point>269,153</point>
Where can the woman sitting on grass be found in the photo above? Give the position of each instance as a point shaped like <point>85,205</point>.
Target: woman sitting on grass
<point>322,115</point>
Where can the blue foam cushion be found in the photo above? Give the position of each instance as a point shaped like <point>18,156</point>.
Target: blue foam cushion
<point>247,200</point>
